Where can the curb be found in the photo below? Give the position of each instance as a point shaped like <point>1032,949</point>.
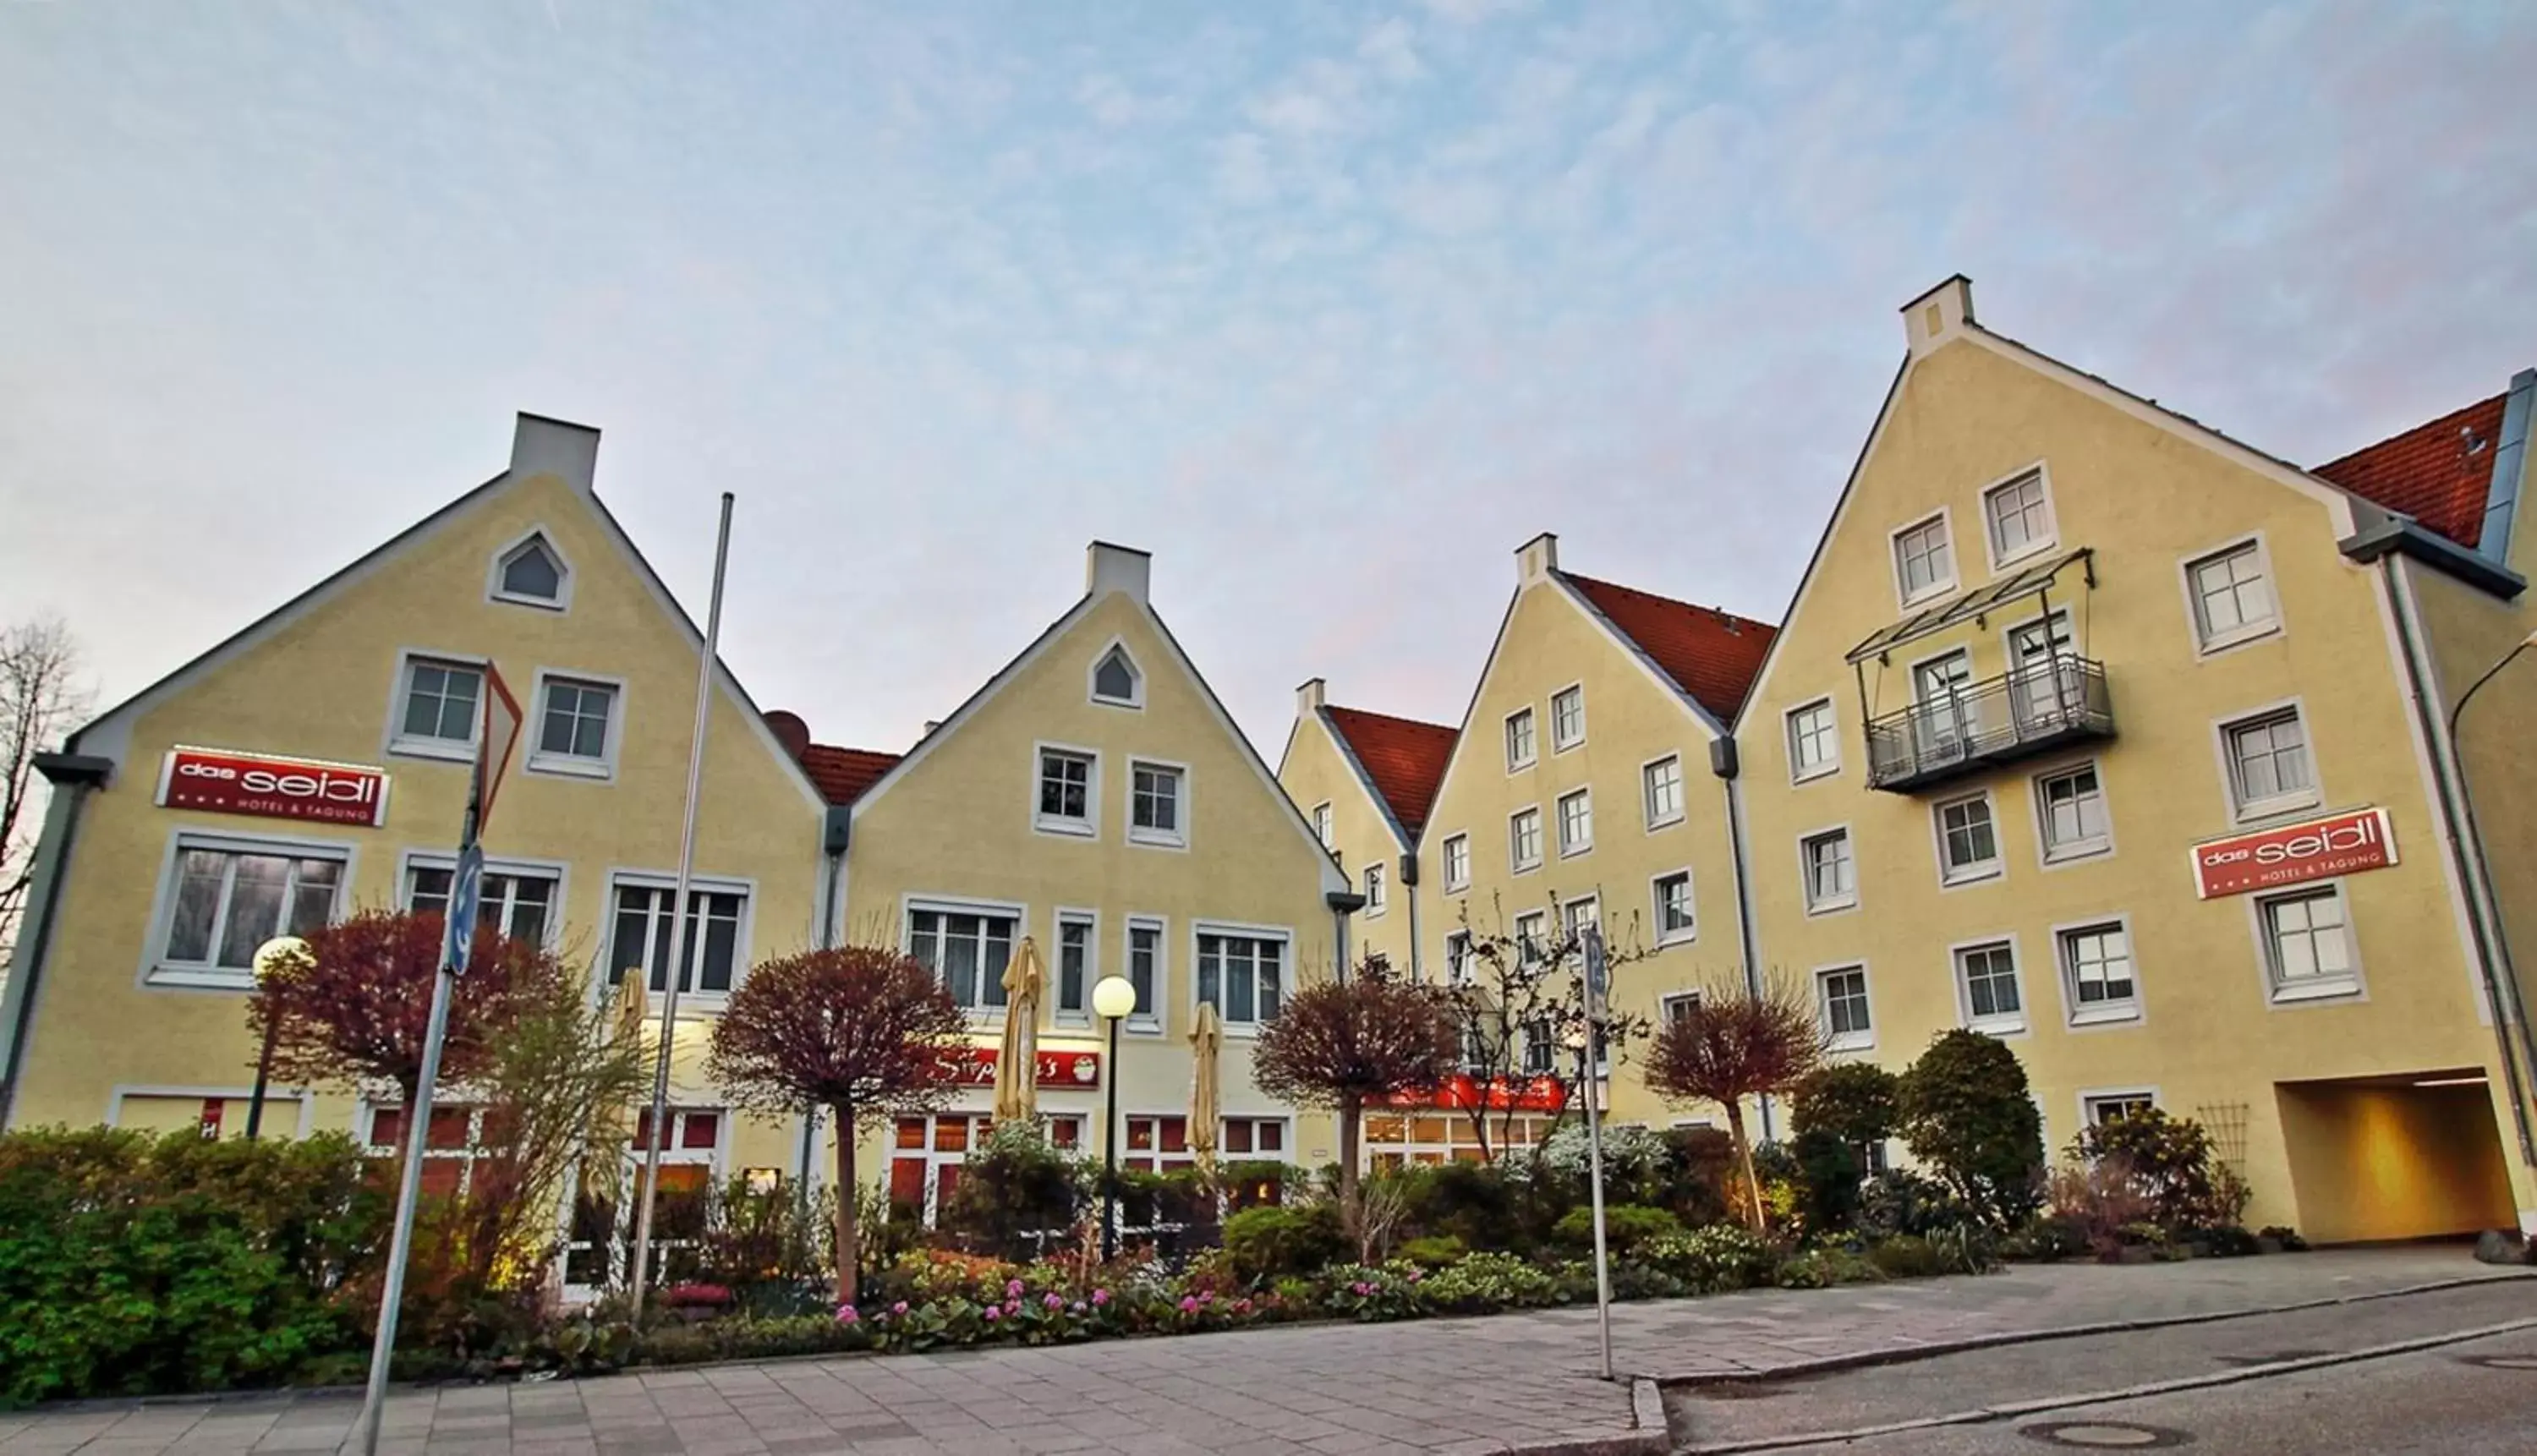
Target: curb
<point>2013,1410</point>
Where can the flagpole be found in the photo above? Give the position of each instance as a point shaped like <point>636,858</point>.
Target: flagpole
<point>640,1275</point>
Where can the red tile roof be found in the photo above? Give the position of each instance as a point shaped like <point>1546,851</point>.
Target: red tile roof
<point>1404,757</point>
<point>2436,473</point>
<point>1709,653</point>
<point>843,773</point>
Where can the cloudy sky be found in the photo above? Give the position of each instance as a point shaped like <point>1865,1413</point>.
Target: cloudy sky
<point>1330,306</point>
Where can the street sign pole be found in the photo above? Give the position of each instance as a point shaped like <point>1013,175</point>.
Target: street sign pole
<point>1597,985</point>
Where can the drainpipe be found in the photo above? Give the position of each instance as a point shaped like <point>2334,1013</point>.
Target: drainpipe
<point>1409,878</point>
<point>834,835</point>
<point>73,776</point>
<point>2466,857</point>
<point>1343,904</point>
<point>1726,764</point>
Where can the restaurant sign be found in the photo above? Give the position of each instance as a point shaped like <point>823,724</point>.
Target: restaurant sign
<point>226,783</point>
<point>2268,859</point>
<point>975,1066</point>
<point>1461,1092</point>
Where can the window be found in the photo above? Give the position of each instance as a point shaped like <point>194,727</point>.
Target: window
<point>1661,791</point>
<point>1146,972</point>
<point>1922,562</point>
<point>1519,739</point>
<point>530,573</point>
<point>1567,718</point>
<point>1988,975</point>
<point>1576,915</point>
<point>1458,957</point>
<point>2268,768</point>
<point>1255,1137</point>
<point>2096,973</point>
<point>1531,943</point>
<point>1321,825</point>
<point>2308,945</point>
<point>1241,976</point>
<point>233,896</point>
<point>1066,796</point>
<point>640,934</point>
<point>517,903</point>
<point>2019,516</point>
<point>437,714</point>
<point>1540,1047</point>
<point>1575,822</point>
<point>574,727</point>
<point>967,949</point>
<point>1157,1144</point>
<point>1673,908</point>
<point>2070,815</point>
<point>1677,1007</point>
<point>1374,896</point>
<point>1814,744</point>
<point>453,1141</point>
<point>1077,968</point>
<point>1156,801</point>
<point>1940,718</point>
<point>1967,840</point>
<point>2101,1108</point>
<point>2232,597</point>
<point>1458,862</point>
<point>1842,997</point>
<point>1115,680</point>
<point>1832,880</point>
<point>1524,840</point>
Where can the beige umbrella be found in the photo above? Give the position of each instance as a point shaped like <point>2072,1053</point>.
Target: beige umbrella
<point>1017,1060</point>
<point>1206,1102</point>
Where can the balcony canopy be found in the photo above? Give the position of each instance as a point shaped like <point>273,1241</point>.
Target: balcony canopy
<point>2034,581</point>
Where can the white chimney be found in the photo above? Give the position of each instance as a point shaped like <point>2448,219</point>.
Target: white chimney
<point>1536,559</point>
<point>1310,697</point>
<point>555,447</point>
<point>1109,568</point>
<point>1938,315</point>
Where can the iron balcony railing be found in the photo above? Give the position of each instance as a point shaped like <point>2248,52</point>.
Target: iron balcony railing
<point>1999,720</point>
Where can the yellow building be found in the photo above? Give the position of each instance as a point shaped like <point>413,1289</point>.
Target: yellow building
<point>1366,781</point>
<point>2097,730</point>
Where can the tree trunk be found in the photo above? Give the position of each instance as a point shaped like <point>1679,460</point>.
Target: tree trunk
<point>1745,1158</point>
<point>1351,1210</point>
<point>849,1251</point>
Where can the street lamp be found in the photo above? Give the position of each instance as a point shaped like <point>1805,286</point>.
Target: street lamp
<point>270,958</point>
<point>1113,999</point>
<point>2516,647</point>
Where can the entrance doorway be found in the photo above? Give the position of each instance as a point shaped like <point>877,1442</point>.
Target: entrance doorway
<point>2416,1156</point>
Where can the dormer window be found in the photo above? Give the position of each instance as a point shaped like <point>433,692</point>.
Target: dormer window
<point>530,573</point>
<point>1116,680</point>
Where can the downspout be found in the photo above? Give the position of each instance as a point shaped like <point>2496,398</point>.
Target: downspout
<point>72,775</point>
<point>1724,763</point>
<point>834,835</point>
<point>2466,857</point>
<point>1409,878</point>
<point>1343,904</point>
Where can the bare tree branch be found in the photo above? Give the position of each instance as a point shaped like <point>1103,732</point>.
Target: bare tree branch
<point>41,700</point>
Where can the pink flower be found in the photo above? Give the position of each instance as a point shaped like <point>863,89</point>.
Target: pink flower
<point>898,1308</point>
<point>1361,1289</point>
<point>1242,1307</point>
<point>992,1311</point>
<point>1100,1296</point>
<point>1076,1307</point>
<point>1188,1305</point>
<point>1053,1299</point>
<point>1012,1288</point>
<point>1012,1306</point>
<point>846,1314</point>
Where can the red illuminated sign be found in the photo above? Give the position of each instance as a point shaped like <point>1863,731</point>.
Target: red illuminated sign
<point>274,788</point>
<point>1461,1092</point>
<point>2365,839</point>
<point>975,1066</point>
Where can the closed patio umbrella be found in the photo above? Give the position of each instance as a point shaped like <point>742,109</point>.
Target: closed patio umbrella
<point>1207,1101</point>
<point>1018,1059</point>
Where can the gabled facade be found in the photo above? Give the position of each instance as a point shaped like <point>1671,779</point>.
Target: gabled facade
<point>1366,781</point>
<point>2094,729</point>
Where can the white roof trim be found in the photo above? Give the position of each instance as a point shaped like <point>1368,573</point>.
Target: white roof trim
<point>1630,645</point>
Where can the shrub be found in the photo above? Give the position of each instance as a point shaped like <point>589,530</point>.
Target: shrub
<point>1435,1251</point>
<point>2228,1242</point>
<point>2169,1162</point>
<point>1486,1282</point>
<point>1371,1295</point>
<point>1699,1163</point>
<point>2048,1239</point>
<point>1626,1225</point>
<point>1015,1192</point>
<point>1251,1183</point>
<point>1479,1203</point>
<point>2283,1235</point>
<point>1905,1256</point>
<point>771,1249</point>
<point>1822,1268</point>
<point>1901,1201</point>
<point>1967,1111</point>
<point>1267,1243</point>
<point>2097,1202</point>
<point>1709,1260</point>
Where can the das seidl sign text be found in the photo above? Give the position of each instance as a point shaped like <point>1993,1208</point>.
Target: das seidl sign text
<point>2364,838</point>
<point>226,783</point>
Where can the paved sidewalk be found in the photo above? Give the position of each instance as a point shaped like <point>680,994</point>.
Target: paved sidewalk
<point>1513,1382</point>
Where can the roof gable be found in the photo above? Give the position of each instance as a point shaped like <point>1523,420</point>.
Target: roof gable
<point>1709,653</point>
<point>844,775</point>
<point>1401,759</point>
<point>2439,473</point>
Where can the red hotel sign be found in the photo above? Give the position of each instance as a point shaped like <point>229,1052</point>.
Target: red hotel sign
<point>2365,839</point>
<point>274,788</point>
<point>975,1066</point>
<point>1461,1092</point>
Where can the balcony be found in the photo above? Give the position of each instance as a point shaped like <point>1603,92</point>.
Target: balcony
<point>1982,724</point>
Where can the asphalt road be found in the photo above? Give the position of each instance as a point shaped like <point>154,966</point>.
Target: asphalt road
<point>2436,1400</point>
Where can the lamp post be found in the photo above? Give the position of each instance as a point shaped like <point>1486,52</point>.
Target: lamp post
<point>269,958</point>
<point>1113,999</point>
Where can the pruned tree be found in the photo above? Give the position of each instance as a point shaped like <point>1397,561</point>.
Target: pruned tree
<point>1343,1043</point>
<point>41,699</point>
<point>865,1031</point>
<point>1517,996</point>
<point>1736,1043</point>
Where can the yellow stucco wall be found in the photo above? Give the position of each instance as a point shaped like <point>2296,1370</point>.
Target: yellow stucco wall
<point>2147,498</point>
<point>2395,1163</point>
<point>1316,771</point>
<point>323,684</point>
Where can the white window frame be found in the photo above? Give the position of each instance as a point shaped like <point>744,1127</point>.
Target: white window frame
<point>1944,519</point>
<point>1996,1024</point>
<point>158,972</point>
<point>962,905</point>
<point>2352,987</point>
<point>1954,876</point>
<point>1648,814</point>
<point>558,870</point>
<point>1656,903</point>
<point>1806,870</point>
<point>1798,770</point>
<point>1455,883</point>
<point>1531,739</point>
<point>602,769</point>
<point>2093,1098</point>
<point>1571,922</point>
<point>399,743</point>
<point>1059,919</point>
<point>1089,826</point>
<point>2077,1014</point>
<point>1287,978</point>
<point>1151,1021</point>
<point>1586,796</point>
<point>1378,897</point>
<point>1560,743</point>
<point>2206,645</point>
<point>1177,838</point>
<point>1285,1137</point>
<point>2052,533</point>
<point>1671,1004</point>
<point>1516,862</point>
<point>1457,967</point>
<point>303,1100</point>
<point>2242,810</point>
<point>1324,829</point>
<point>1135,670</point>
<point>565,574</point>
<point>1845,1040</point>
<point>1530,944</point>
<point>2102,846</point>
<point>744,936</point>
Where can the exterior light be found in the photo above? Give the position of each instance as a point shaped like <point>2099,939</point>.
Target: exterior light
<point>1113,998</point>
